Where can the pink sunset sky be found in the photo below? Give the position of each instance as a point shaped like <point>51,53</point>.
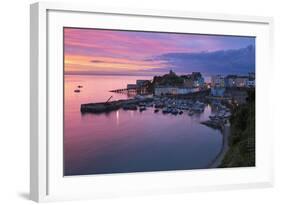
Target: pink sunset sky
<point>96,51</point>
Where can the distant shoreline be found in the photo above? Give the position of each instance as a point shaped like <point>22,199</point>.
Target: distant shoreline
<point>208,77</point>
<point>104,74</point>
<point>147,75</point>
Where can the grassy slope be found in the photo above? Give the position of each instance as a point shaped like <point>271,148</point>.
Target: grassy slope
<point>242,137</point>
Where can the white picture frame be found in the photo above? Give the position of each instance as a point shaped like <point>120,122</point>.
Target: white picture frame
<point>46,179</point>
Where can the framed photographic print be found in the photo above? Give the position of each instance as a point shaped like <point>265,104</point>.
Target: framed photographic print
<point>127,102</point>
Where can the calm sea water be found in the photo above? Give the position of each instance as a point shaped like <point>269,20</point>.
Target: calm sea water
<point>130,141</point>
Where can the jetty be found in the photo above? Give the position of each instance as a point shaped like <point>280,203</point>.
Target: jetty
<point>213,124</point>
<point>121,90</point>
<point>218,119</point>
<point>141,103</point>
<point>103,107</point>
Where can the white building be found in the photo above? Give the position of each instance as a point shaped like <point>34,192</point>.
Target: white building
<point>251,83</point>
<point>239,81</point>
<point>217,81</point>
<point>140,83</point>
<point>131,86</point>
<point>174,90</point>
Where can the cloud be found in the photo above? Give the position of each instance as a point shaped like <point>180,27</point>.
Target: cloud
<point>97,61</point>
<point>150,73</point>
<point>236,61</point>
<point>98,50</point>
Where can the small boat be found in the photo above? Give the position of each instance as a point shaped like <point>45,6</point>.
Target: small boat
<point>142,108</point>
<point>213,117</point>
<point>221,114</point>
<point>129,107</point>
<point>149,105</point>
<point>156,110</point>
<point>166,110</point>
<point>174,111</point>
<point>142,104</point>
<point>190,113</point>
<point>184,107</point>
<point>159,105</point>
<point>180,112</point>
<point>79,86</point>
<point>77,91</point>
<point>139,97</point>
<point>227,115</point>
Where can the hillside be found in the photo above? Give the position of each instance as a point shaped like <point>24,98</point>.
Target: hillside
<point>242,137</point>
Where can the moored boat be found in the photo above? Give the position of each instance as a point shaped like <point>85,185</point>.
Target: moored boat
<point>212,116</point>
<point>166,110</point>
<point>129,107</point>
<point>142,108</point>
<point>191,112</point>
<point>174,111</point>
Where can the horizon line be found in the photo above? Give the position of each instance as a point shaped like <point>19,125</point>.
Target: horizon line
<point>149,75</point>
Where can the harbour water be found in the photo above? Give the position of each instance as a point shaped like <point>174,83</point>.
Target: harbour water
<point>130,141</point>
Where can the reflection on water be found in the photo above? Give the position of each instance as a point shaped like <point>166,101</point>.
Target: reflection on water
<point>130,141</point>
